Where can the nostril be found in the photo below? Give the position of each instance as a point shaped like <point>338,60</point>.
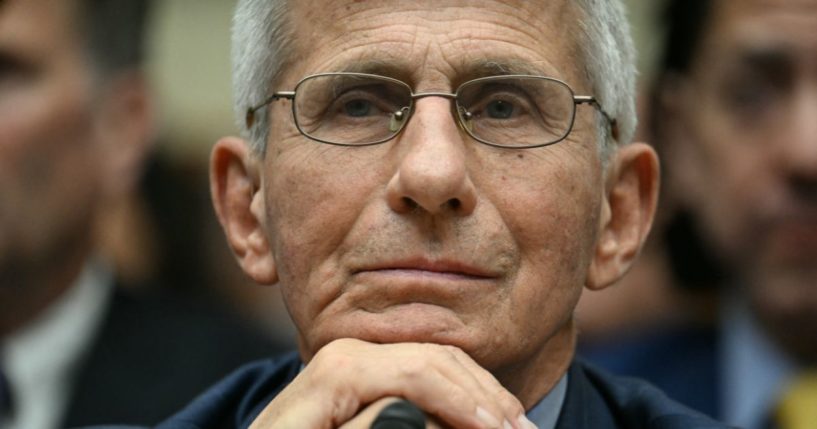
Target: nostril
<point>454,203</point>
<point>805,188</point>
<point>409,203</point>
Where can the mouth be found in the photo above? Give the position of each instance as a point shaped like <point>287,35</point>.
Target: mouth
<point>420,286</point>
<point>424,267</point>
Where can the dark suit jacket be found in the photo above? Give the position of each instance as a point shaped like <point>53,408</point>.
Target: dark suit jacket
<point>594,400</point>
<point>682,361</point>
<point>152,356</point>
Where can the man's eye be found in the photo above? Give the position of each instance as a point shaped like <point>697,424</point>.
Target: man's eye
<point>499,109</point>
<point>13,72</point>
<point>753,102</point>
<point>747,95</point>
<point>357,108</point>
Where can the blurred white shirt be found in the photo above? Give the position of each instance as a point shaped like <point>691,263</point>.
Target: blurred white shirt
<point>40,360</point>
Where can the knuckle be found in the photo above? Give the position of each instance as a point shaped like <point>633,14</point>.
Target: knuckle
<point>426,356</point>
<point>444,353</point>
<point>333,357</point>
<point>510,403</point>
<point>412,369</point>
<point>431,349</point>
<point>451,398</point>
<point>455,352</point>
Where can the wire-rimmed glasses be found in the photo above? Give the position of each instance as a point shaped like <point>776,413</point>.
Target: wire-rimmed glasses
<point>359,109</point>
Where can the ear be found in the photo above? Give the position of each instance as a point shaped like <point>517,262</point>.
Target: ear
<point>125,130</point>
<point>240,206</point>
<point>627,213</point>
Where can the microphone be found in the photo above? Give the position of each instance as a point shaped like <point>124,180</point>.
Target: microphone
<point>400,415</point>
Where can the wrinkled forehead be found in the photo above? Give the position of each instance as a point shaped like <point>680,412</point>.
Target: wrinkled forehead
<point>436,44</point>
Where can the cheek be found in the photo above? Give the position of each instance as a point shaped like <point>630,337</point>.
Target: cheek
<point>315,196</point>
<point>48,170</point>
<point>554,221</point>
<point>735,179</point>
<point>552,207</point>
<point>557,239</point>
<point>47,140</point>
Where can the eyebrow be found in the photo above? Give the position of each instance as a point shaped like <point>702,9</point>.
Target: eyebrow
<point>465,71</point>
<point>772,61</point>
<point>393,69</point>
<point>501,67</point>
<point>12,62</point>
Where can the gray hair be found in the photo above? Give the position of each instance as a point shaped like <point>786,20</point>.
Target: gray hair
<point>262,45</point>
<point>606,46</point>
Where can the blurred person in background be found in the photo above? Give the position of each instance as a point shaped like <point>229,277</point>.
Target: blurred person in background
<point>735,116</point>
<point>75,124</point>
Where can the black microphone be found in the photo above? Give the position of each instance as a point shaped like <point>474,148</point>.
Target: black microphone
<point>400,415</point>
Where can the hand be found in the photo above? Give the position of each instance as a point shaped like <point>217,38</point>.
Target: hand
<point>347,377</point>
<point>365,419</point>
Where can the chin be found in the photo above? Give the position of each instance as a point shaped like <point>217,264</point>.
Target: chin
<point>405,323</point>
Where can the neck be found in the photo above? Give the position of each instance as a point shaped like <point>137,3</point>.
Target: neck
<point>532,379</point>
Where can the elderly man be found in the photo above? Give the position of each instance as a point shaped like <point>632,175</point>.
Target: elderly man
<point>737,113</point>
<point>432,185</point>
<point>75,123</point>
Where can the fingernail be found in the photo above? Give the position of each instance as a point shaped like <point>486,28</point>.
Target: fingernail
<point>525,423</point>
<point>486,417</point>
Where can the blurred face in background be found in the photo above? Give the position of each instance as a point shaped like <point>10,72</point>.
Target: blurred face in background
<point>72,140</point>
<point>48,168</point>
<point>745,155</point>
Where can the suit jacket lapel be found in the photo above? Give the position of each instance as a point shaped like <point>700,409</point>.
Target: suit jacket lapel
<point>584,407</point>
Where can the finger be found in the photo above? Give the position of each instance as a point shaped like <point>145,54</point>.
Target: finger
<point>512,410</point>
<point>365,418</point>
<point>425,374</point>
<point>457,367</point>
<point>436,359</point>
<point>349,373</point>
<point>450,402</point>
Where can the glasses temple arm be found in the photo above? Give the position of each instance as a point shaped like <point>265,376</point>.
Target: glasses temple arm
<point>587,99</point>
<point>250,117</point>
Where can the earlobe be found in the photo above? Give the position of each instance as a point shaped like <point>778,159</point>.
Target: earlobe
<point>238,199</point>
<point>627,215</point>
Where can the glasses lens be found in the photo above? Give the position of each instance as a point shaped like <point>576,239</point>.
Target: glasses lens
<point>351,109</point>
<point>516,111</point>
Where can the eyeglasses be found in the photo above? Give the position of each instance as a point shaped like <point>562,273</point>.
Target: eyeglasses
<point>358,109</point>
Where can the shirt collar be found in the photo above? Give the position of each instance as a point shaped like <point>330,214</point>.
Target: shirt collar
<point>754,371</point>
<point>546,412</point>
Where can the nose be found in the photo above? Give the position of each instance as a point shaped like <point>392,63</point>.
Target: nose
<point>799,150</point>
<point>432,172</point>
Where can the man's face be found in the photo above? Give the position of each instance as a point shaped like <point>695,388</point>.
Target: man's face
<point>48,173</point>
<point>751,152</point>
<point>432,237</point>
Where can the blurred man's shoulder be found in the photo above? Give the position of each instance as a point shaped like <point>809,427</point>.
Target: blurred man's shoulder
<point>160,350</point>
